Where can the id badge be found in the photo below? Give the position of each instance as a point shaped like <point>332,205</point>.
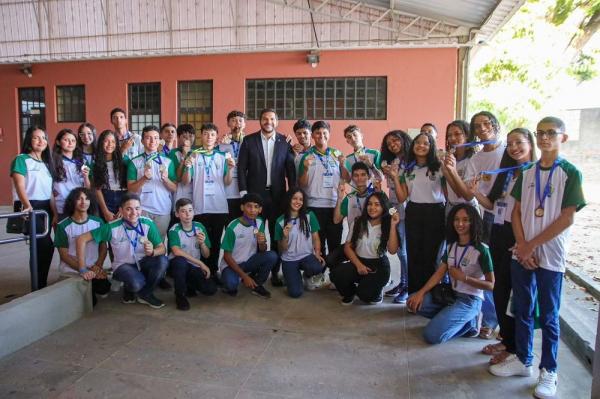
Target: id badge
<point>500,212</point>
<point>209,187</point>
<point>328,180</point>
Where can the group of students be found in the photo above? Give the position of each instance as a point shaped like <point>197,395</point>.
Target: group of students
<point>161,185</point>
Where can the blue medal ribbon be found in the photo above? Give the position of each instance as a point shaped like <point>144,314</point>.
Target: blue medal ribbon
<point>235,145</point>
<point>193,231</point>
<point>475,143</point>
<point>541,196</point>
<point>457,264</point>
<point>139,231</point>
<point>155,156</point>
<point>208,165</point>
<point>324,162</point>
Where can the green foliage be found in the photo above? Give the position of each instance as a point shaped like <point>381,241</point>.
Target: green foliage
<point>501,71</point>
<point>523,33</point>
<point>507,118</point>
<point>561,11</point>
<point>582,68</point>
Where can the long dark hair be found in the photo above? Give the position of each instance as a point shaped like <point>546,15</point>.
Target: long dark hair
<point>475,227</point>
<point>508,162</point>
<point>433,163</point>
<point>302,212</point>
<point>26,148</point>
<point>57,156</point>
<point>100,168</point>
<point>360,223</point>
<point>71,201</point>
<point>465,129</point>
<point>387,155</point>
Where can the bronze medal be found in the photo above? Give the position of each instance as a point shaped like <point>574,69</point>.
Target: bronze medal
<point>539,212</point>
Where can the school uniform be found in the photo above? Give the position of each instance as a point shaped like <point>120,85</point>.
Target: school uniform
<point>299,255</point>
<point>367,287</point>
<point>240,240</point>
<point>374,157</point>
<point>73,179</point>
<point>424,223</point>
<point>565,190</point>
<point>155,198</point>
<point>38,189</point>
<point>453,197</point>
<point>136,149</point>
<point>130,265</point>
<point>460,318</point>
<point>208,194</point>
<point>67,232</point>
<point>186,275</point>
<point>232,191</point>
<point>112,192</point>
<point>352,205</point>
<point>323,180</point>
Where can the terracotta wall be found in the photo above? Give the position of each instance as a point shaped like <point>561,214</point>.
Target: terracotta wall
<point>421,87</point>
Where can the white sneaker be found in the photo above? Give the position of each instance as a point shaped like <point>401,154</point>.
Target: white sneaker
<point>509,367</point>
<point>313,282</point>
<point>546,386</point>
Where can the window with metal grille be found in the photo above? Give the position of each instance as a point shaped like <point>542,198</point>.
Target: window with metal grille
<point>319,98</point>
<point>144,106</point>
<point>32,108</point>
<point>195,102</point>
<point>70,103</point>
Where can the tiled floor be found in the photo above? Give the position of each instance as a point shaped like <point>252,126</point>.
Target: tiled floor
<point>248,347</point>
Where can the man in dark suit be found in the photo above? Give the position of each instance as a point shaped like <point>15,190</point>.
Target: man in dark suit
<point>265,162</point>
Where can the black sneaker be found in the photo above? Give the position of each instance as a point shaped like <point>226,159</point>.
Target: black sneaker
<point>347,300</point>
<point>394,291</point>
<point>276,281</point>
<point>377,300</point>
<point>191,292</point>
<point>151,301</point>
<point>128,297</point>
<point>230,293</point>
<point>182,302</point>
<point>261,292</point>
<point>163,284</point>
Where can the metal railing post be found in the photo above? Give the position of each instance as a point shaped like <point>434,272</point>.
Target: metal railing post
<point>33,265</point>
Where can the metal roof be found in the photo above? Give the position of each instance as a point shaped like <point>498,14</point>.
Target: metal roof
<point>58,30</point>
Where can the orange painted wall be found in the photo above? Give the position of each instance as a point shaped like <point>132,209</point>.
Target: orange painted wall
<point>421,88</point>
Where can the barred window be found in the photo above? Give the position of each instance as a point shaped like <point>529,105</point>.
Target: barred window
<point>195,102</point>
<point>70,103</point>
<point>319,98</point>
<point>144,105</point>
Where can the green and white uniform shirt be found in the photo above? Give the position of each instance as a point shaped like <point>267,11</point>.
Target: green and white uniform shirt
<point>424,187</point>
<point>353,205</point>
<point>208,173</point>
<point>232,148</point>
<point>461,170</point>
<point>127,244</point>
<point>323,177</point>
<point>474,261</point>
<point>367,245</point>
<point>154,197</point>
<point>73,179</point>
<point>399,167</point>
<point>565,190</point>
<point>136,149</point>
<point>38,180</point>
<point>240,240</point>
<point>481,161</point>
<point>373,156</point>
<point>186,239</point>
<point>66,235</point>
<point>299,245</point>
<point>183,190</point>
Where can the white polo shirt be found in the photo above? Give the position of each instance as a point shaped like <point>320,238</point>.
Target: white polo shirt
<point>240,240</point>
<point>154,197</point>
<point>475,262</point>
<point>299,244</point>
<point>73,179</point>
<point>208,184</point>
<point>323,177</point>
<point>66,235</point>
<point>424,187</point>
<point>38,180</point>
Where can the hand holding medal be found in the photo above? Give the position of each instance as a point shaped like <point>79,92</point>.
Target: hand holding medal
<point>395,216</point>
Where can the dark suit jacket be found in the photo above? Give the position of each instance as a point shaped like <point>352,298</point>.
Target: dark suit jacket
<point>252,169</point>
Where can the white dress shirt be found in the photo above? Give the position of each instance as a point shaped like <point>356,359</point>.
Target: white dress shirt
<point>268,145</point>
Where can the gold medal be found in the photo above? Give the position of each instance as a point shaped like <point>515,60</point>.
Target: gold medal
<point>486,177</point>
<point>539,212</point>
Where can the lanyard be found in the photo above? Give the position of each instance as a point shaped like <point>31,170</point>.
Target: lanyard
<point>166,150</point>
<point>76,162</point>
<point>235,145</point>
<point>541,196</point>
<point>139,231</point>
<point>324,162</point>
<point>153,157</point>
<point>193,231</point>
<point>475,143</point>
<point>293,220</point>
<point>457,264</point>
<point>208,165</point>
<point>251,222</point>
<point>360,208</point>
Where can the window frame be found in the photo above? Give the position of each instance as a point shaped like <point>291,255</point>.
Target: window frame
<point>74,117</point>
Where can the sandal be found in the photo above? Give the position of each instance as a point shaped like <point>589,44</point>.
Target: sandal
<point>493,349</point>
<point>486,333</point>
<point>499,357</point>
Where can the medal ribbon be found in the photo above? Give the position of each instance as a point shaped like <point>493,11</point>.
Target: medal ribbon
<point>542,198</point>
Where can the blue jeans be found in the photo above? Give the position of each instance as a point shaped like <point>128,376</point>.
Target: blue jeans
<point>293,278</point>
<point>259,265</point>
<point>143,280</point>
<point>488,308</point>
<point>451,321</point>
<point>188,276</point>
<point>548,285</point>
<point>401,229</point>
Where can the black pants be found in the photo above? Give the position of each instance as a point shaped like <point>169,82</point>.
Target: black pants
<point>424,235</point>
<point>367,287</point>
<point>185,275</point>
<point>100,286</point>
<point>502,239</point>
<point>45,246</point>
<point>214,224</point>
<point>328,232</point>
<point>272,209</point>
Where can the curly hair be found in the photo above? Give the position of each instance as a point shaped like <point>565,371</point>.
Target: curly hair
<point>71,201</point>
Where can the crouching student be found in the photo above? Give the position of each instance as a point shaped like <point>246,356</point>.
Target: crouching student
<point>370,235</point>
<point>297,234</point>
<point>139,260</point>
<point>547,194</point>
<point>80,209</point>
<point>188,242</point>
<point>245,255</point>
<point>468,262</point>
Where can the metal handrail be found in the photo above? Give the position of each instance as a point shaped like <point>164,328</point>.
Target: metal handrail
<point>33,266</point>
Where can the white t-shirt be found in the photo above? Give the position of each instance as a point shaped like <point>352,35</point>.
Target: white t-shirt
<point>474,262</point>
<point>208,193</point>
<point>504,205</point>
<point>240,241</point>
<point>565,191</point>
<point>424,187</point>
<point>73,179</point>
<point>481,161</point>
<point>461,170</point>
<point>186,240</point>
<point>352,206</point>
<point>299,245</point>
<point>38,180</point>
<point>233,148</point>
<point>323,178</point>
<point>183,190</point>
<point>367,245</point>
<point>154,197</point>
<point>66,235</point>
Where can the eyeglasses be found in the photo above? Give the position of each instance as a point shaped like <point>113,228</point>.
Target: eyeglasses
<point>548,133</point>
